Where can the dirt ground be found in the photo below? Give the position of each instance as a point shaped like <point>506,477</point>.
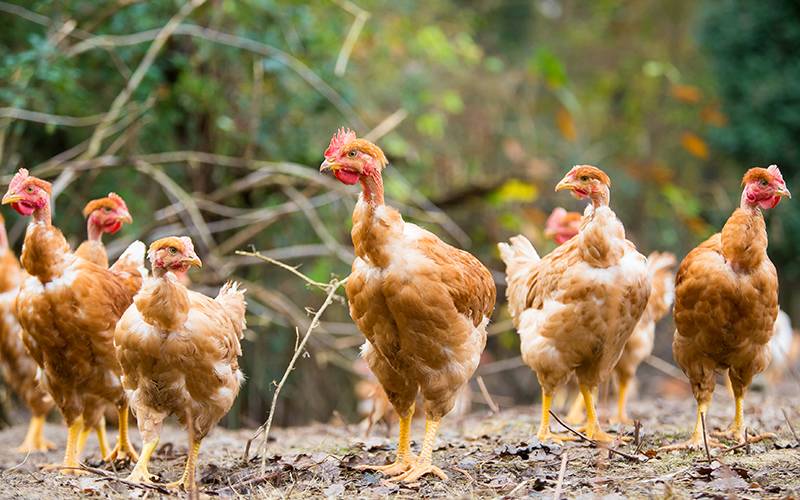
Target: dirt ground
<point>485,456</point>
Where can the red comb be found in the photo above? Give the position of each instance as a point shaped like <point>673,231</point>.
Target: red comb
<point>340,139</point>
<point>118,199</point>
<point>772,169</point>
<point>18,178</point>
<point>187,243</point>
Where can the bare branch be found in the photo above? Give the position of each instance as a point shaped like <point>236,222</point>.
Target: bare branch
<point>352,35</point>
<point>387,125</point>
<point>149,57</point>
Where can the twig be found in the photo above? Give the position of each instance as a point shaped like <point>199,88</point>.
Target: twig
<point>249,482</point>
<point>487,396</point>
<point>241,43</point>
<point>561,472</point>
<point>594,442</point>
<point>665,367</point>
<point>513,492</point>
<point>791,428</point>
<point>35,116</point>
<point>318,226</point>
<point>259,255</point>
<point>352,35</point>
<point>344,422</point>
<point>112,477</point>
<point>137,76</point>
<point>705,436</point>
<point>387,125</point>
<point>265,428</point>
<point>469,476</point>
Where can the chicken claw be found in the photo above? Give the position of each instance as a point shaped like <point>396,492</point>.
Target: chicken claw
<point>124,448</point>
<point>420,470</point>
<point>405,457</point>
<point>34,439</point>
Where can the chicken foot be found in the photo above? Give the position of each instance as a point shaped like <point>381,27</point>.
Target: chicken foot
<point>695,442</point>
<point>424,465</point>
<point>622,399</point>
<point>405,457</point>
<point>737,429</point>
<point>34,439</point>
<point>123,447</point>
<point>139,473</point>
<point>592,428</point>
<point>187,479</point>
<point>71,463</point>
<point>544,433</point>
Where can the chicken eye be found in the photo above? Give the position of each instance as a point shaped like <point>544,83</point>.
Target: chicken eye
<point>352,154</point>
<point>172,250</point>
<point>763,183</point>
<point>584,178</point>
<point>30,189</point>
<point>107,209</point>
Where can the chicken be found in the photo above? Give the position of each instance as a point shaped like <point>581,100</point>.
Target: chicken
<point>422,305</point>
<point>576,308</point>
<point>18,367</point>
<point>179,353</point>
<point>726,302</point>
<point>103,215</point>
<point>68,309</point>
<point>561,226</point>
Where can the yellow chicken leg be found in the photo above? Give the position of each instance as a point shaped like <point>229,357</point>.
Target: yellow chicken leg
<point>575,413</point>
<point>424,465</point>
<point>139,473</point>
<point>622,414</point>
<point>187,479</point>
<point>592,430</point>
<point>102,437</point>
<point>544,433</point>
<point>736,431</point>
<point>405,457</point>
<point>696,441</point>
<point>71,464</point>
<point>124,447</point>
<point>34,439</point>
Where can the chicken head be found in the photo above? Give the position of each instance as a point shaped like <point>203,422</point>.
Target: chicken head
<point>26,193</point>
<point>764,187</point>
<point>174,254</point>
<point>586,181</point>
<point>106,215</point>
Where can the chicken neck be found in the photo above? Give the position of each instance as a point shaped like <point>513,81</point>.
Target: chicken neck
<point>601,240</point>
<point>162,301</point>
<point>94,231</point>
<point>744,239</point>
<point>375,225</point>
<point>45,251</point>
<point>372,187</point>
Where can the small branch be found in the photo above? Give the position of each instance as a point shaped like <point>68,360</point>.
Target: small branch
<point>112,477</point>
<point>488,397</point>
<point>35,116</point>
<point>705,436</point>
<point>265,428</point>
<point>597,443</point>
<point>352,35</point>
<point>258,255</point>
<point>387,125</point>
<point>562,472</point>
<point>138,75</point>
<point>791,428</point>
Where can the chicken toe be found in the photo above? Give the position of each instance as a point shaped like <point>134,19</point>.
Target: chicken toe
<point>34,439</point>
<point>424,465</point>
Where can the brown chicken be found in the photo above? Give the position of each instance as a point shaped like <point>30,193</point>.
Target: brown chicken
<point>576,308</point>
<point>422,305</point>
<point>179,353</point>
<point>726,302</point>
<point>68,309</point>
<point>103,215</point>
<point>561,226</point>
<point>18,367</point>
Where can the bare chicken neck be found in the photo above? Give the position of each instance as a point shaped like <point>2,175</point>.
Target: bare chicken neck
<point>372,188</point>
<point>94,231</point>
<point>375,230</point>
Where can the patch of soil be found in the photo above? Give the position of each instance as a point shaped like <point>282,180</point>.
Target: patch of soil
<point>485,456</point>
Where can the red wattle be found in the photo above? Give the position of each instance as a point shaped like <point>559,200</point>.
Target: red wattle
<point>114,228</point>
<point>22,209</point>
<point>346,177</point>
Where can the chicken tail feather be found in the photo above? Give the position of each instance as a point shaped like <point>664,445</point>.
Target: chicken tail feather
<point>232,299</point>
<point>518,256</point>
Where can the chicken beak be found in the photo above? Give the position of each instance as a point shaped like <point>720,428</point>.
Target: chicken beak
<point>549,232</point>
<point>193,260</point>
<point>566,183</point>
<point>783,192</point>
<point>327,166</point>
<point>125,217</point>
<point>12,197</point>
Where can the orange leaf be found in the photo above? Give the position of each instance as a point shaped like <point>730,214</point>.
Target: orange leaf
<point>713,117</point>
<point>694,145</point>
<point>566,126</point>
<point>686,93</point>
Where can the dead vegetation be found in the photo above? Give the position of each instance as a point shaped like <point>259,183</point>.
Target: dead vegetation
<point>485,456</point>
